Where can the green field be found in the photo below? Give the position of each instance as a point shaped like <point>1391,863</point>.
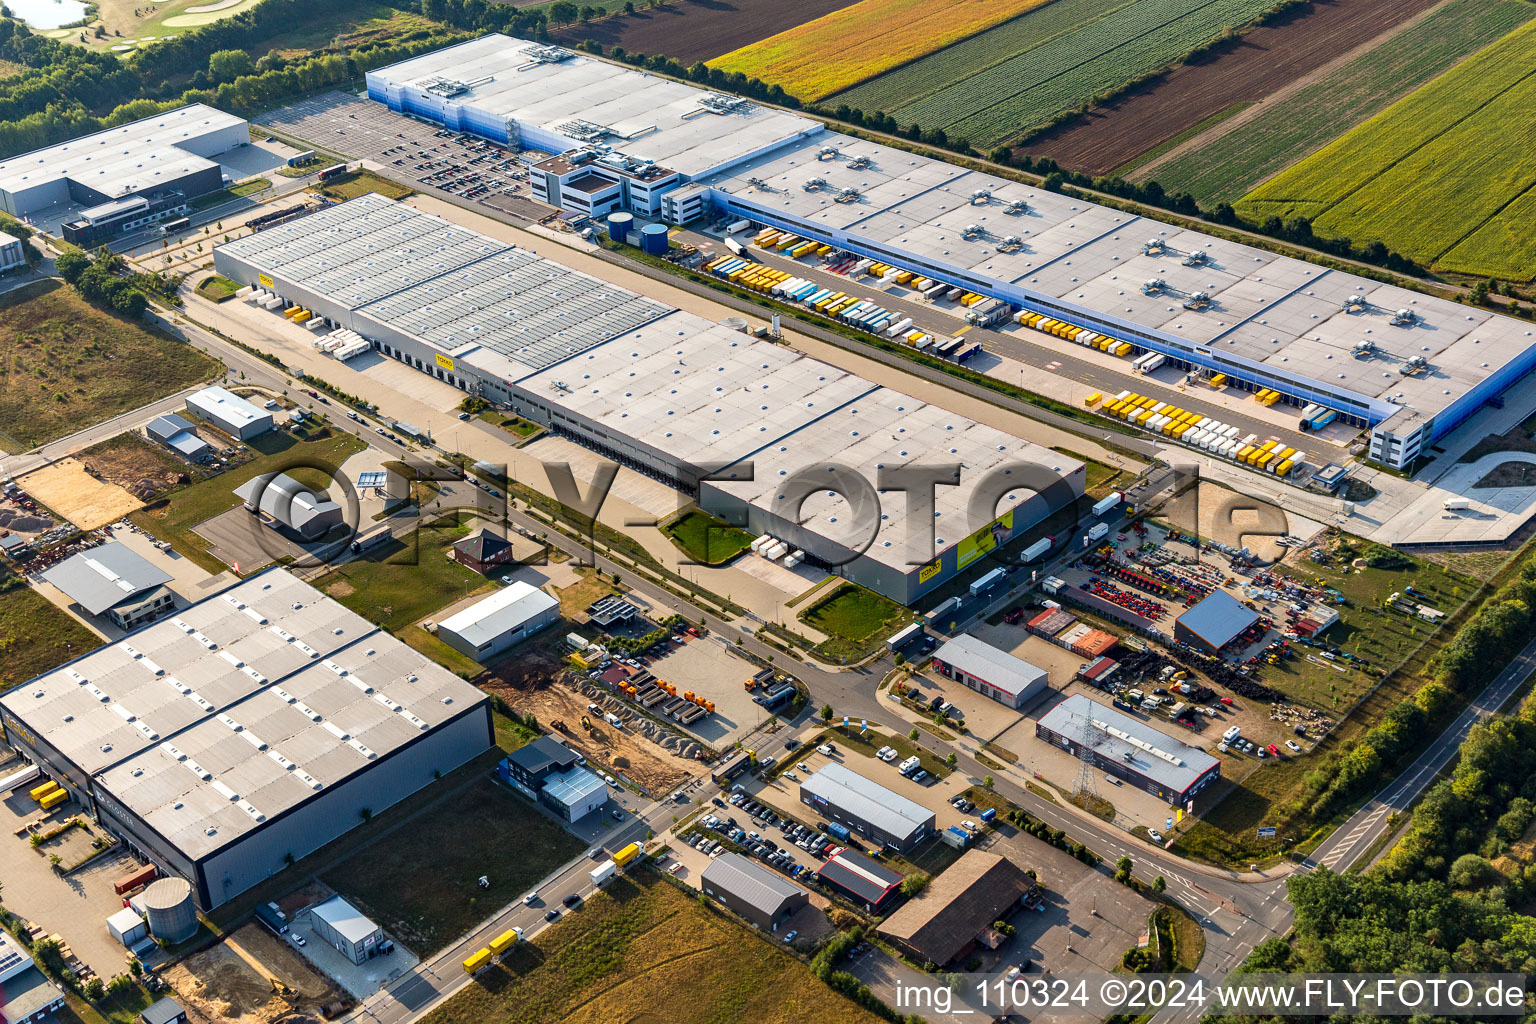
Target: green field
<point>360,183</point>
<point>173,517</point>
<point>998,85</point>
<point>37,635</point>
<point>407,582</point>
<point>64,365</point>
<point>1312,117</point>
<point>1442,176</point>
<point>422,889</point>
<point>855,621</point>
<point>644,952</point>
<point>707,540</point>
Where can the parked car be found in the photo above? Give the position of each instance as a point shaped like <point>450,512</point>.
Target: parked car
<point>1154,835</point>
<point>1295,747</point>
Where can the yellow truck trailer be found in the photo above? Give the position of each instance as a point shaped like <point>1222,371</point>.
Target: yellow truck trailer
<point>40,791</point>
<point>503,942</point>
<point>627,854</point>
<point>478,960</point>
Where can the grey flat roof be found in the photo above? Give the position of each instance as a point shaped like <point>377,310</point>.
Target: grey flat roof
<point>749,881</point>
<point>1218,619</point>
<point>129,158</point>
<point>163,1011</point>
<point>573,785</point>
<point>1122,737</point>
<point>101,577</point>
<point>227,405</point>
<point>581,97</point>
<point>238,708</point>
<point>348,921</point>
<point>541,753</point>
<point>1007,672</point>
<point>507,609</point>
<point>851,792</point>
<point>27,992</point>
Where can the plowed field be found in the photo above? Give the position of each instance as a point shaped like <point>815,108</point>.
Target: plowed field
<point>693,30</point>
<point>1266,59</point>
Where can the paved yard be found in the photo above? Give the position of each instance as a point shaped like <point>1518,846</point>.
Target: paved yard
<point>713,672</point>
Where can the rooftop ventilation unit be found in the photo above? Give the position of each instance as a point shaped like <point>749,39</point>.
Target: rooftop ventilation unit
<point>1153,247</point>
<point>1361,349</point>
<point>720,103</point>
<point>1353,304</point>
<point>759,183</point>
<point>827,153</point>
<point>813,184</point>
<point>849,195</point>
<point>1017,206</point>
<point>584,131</point>
<point>1198,300</point>
<point>1197,258</point>
<point>547,54</point>
<point>447,88</point>
<point>971,231</point>
<point>1011,243</point>
<point>1414,365</point>
<point>1405,318</point>
<point>981,196</point>
<point>1153,286</point>
<point>858,163</point>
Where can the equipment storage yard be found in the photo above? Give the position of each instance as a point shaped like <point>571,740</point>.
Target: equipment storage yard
<point>711,671</point>
<point>236,981</point>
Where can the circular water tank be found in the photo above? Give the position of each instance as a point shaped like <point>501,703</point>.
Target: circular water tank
<point>734,323</point>
<point>620,225</point>
<point>653,239</point>
<point>169,909</point>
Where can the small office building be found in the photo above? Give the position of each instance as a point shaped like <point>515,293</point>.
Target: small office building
<point>757,894</point>
<point>527,767</point>
<point>281,502</point>
<point>484,552</point>
<point>1128,748</point>
<point>13,252</point>
<point>229,412</point>
<point>574,793</point>
<point>987,670</point>
<point>857,878</point>
<point>883,815</point>
<point>115,581</point>
<point>180,436</point>
<point>345,928</point>
<point>163,1011</point>
<point>499,622</point>
<point>26,994</point>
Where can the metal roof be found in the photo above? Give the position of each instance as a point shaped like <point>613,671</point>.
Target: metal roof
<point>858,874</point>
<point>102,577</point>
<point>1218,619</point>
<point>1009,673</point>
<point>958,905</point>
<point>573,786</point>
<point>287,500</point>
<point>541,753</point>
<point>1153,753</point>
<point>749,882</point>
<point>227,405</point>
<point>128,158</point>
<point>866,800</point>
<point>346,919</point>
<point>510,608</point>
<point>579,99</point>
<point>238,708</point>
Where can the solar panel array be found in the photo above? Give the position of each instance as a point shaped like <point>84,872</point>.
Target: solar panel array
<point>515,303</point>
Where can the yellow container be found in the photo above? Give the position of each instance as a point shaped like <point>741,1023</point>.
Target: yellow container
<point>1122,348</point>
<point>38,792</point>
<point>1244,452</point>
<point>1218,380</point>
<point>503,942</point>
<point>1284,469</point>
<point>1093,399</point>
<point>477,960</point>
<point>904,277</point>
<point>53,799</point>
<point>627,854</point>
<point>822,250</point>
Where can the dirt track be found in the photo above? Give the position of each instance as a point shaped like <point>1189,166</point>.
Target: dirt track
<point>692,30</point>
<point>1267,59</point>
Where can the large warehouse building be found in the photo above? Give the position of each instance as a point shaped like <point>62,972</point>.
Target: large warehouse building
<point>665,392</point>
<point>1410,366</point>
<point>119,174</point>
<point>1129,748</point>
<point>249,729</point>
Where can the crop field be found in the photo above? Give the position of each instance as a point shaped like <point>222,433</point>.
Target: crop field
<point>643,952</point>
<point>1441,176</point>
<point>64,365</point>
<point>693,30</point>
<point>1227,163</point>
<point>816,59</point>
<point>1270,57</point>
<point>1000,84</point>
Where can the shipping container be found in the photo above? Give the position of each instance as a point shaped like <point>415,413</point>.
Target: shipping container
<point>478,960</point>
<point>1108,503</point>
<point>38,792</point>
<point>53,799</point>
<point>135,879</point>
<point>627,854</point>
<point>1037,549</point>
<point>503,942</point>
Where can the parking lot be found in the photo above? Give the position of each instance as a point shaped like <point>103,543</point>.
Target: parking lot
<point>415,153</point>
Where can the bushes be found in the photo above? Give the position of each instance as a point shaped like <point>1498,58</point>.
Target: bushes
<point>95,280</point>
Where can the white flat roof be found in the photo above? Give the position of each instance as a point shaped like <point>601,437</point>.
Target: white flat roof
<point>348,921</point>
<point>1007,672</point>
<point>1124,738</point>
<point>129,158</point>
<point>228,405</point>
<point>238,708</point>
<point>490,617</point>
<point>867,799</point>
<point>652,118</point>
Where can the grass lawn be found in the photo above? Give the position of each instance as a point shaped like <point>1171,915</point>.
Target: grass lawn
<point>510,733</point>
<point>407,582</point>
<point>349,24</point>
<point>643,951</point>
<point>360,183</point>
<point>173,517</point>
<point>1100,478</point>
<point>707,540</point>
<point>579,596</point>
<point>64,365</point>
<point>423,890</point>
<point>872,740</point>
<point>855,620</point>
<point>218,288</point>
<point>511,424</point>
<point>36,635</point>
<point>224,195</point>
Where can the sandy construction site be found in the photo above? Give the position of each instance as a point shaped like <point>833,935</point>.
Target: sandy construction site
<point>232,982</point>
<point>78,496</point>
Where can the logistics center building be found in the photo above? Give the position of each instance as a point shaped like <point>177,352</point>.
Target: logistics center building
<point>245,731</point>
<point>1410,366</point>
<point>664,392</point>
